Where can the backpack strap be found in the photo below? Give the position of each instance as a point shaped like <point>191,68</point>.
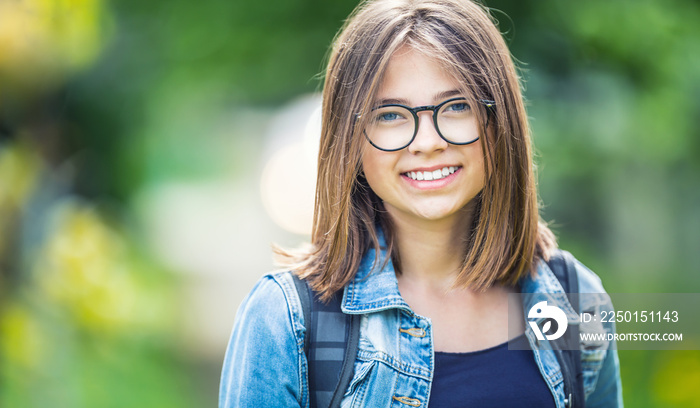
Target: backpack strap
<point>330,344</point>
<point>563,266</point>
<point>348,367</point>
<point>304,293</point>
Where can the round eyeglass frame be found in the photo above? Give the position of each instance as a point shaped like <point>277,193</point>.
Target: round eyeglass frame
<point>489,104</point>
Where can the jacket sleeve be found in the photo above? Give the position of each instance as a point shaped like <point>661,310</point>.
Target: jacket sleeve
<point>262,367</point>
<point>608,386</point>
<point>608,390</point>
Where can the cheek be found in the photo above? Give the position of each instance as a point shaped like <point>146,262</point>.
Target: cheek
<point>476,165</point>
<point>378,167</point>
<point>370,168</point>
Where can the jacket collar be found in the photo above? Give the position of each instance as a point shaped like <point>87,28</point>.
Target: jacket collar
<point>375,287</point>
<point>545,286</point>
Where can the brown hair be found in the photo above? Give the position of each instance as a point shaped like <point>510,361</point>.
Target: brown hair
<point>507,236</point>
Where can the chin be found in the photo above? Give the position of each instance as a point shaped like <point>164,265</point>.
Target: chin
<point>433,214</point>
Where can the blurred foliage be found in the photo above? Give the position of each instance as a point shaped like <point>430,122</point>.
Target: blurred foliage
<point>86,318</point>
<point>91,324</point>
<point>101,100</point>
<point>43,41</point>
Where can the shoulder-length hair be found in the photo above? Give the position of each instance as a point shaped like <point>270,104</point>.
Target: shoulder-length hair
<point>506,237</point>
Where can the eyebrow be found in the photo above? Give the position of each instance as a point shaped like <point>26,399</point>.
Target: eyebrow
<point>437,98</point>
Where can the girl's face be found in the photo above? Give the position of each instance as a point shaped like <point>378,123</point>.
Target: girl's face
<point>431,179</point>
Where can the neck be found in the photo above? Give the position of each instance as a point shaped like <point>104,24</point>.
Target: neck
<point>432,251</point>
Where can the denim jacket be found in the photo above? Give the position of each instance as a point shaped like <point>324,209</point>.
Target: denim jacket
<point>265,364</point>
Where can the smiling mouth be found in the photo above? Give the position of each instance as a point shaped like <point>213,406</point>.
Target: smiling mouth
<point>431,175</point>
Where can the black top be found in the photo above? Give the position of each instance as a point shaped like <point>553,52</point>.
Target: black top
<point>494,377</point>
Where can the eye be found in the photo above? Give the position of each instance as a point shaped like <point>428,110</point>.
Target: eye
<point>388,117</point>
<point>458,107</point>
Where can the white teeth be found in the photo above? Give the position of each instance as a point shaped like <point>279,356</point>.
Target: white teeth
<point>432,175</point>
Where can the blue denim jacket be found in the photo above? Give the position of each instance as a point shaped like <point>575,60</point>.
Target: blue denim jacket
<point>265,364</point>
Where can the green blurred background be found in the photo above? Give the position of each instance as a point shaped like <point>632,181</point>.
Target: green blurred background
<point>150,152</point>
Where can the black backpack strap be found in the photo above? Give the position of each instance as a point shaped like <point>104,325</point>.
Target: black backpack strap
<point>563,266</point>
<point>330,343</point>
<point>304,293</point>
<point>348,367</point>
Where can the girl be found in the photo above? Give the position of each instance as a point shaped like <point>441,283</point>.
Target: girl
<point>426,221</point>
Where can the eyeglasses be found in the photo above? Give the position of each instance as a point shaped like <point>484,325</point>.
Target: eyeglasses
<point>393,127</point>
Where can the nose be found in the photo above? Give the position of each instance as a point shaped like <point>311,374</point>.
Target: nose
<point>427,138</point>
